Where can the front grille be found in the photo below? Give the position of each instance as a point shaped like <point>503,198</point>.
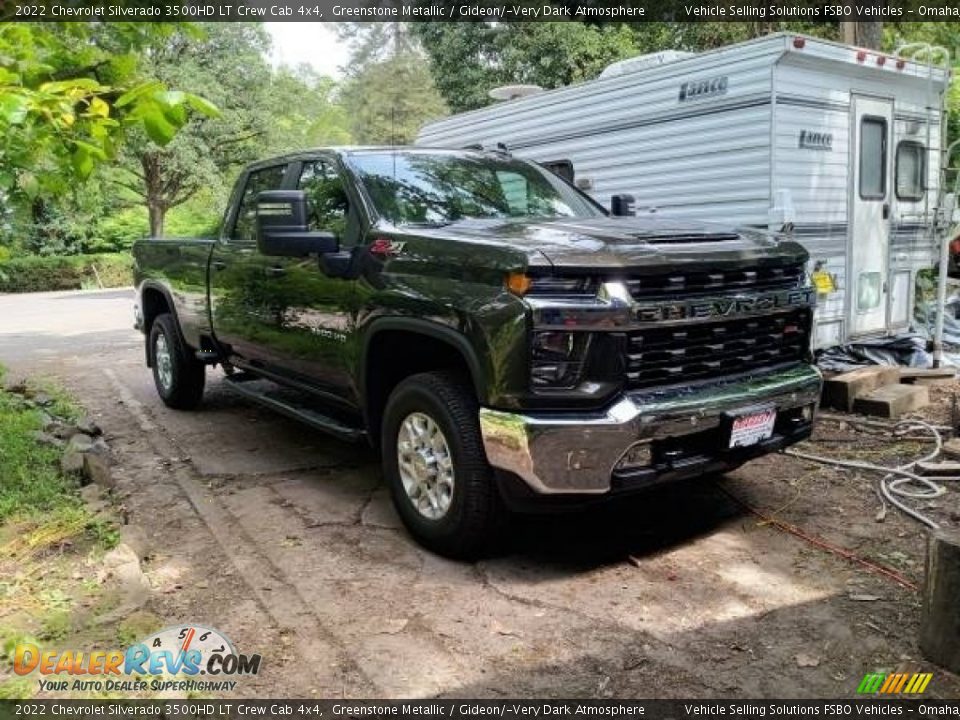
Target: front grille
<point>701,282</point>
<point>666,355</point>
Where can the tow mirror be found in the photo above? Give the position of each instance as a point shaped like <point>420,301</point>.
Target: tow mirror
<point>623,205</point>
<point>282,226</point>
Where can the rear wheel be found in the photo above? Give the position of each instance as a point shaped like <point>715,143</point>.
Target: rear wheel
<point>439,478</point>
<point>177,374</point>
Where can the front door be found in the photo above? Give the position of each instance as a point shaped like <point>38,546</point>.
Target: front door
<point>869,235</point>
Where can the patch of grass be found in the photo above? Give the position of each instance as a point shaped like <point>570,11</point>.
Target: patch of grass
<point>56,626</point>
<point>17,688</point>
<point>136,627</point>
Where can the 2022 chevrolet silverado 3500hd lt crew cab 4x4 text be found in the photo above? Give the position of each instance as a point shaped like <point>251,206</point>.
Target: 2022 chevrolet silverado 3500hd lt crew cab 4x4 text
<point>502,340</point>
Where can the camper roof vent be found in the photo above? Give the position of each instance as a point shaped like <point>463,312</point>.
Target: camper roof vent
<point>513,92</point>
<point>642,62</point>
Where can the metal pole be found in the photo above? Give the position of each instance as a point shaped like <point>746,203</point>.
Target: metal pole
<point>914,51</point>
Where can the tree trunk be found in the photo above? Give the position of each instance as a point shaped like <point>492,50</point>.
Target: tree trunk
<point>864,34</point>
<point>157,214</point>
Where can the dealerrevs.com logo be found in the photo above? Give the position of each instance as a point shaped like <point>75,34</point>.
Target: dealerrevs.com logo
<point>173,659</point>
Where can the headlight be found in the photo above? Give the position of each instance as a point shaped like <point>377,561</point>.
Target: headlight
<point>552,286</point>
<point>557,359</point>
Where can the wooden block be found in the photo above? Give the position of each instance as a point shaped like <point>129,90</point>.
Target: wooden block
<point>908,373</point>
<point>928,376</point>
<point>892,401</point>
<point>940,621</point>
<point>841,390</point>
<point>951,448</point>
<point>938,469</point>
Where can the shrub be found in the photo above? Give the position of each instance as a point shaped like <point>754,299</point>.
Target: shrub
<point>119,231</point>
<point>35,273</point>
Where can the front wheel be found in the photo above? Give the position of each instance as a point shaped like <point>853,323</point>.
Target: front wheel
<point>435,466</point>
<point>177,374</point>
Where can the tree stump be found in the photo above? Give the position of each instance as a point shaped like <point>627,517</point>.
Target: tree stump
<point>940,626</point>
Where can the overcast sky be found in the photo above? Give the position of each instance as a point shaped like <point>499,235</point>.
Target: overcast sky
<point>315,44</point>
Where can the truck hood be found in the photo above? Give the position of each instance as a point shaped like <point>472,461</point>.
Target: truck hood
<point>624,242</point>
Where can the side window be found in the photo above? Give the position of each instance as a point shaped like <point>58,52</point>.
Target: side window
<point>269,178</point>
<point>326,196</point>
<point>911,167</point>
<point>873,158</point>
<point>563,168</point>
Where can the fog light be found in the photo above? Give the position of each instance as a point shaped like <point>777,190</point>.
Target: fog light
<point>639,455</point>
<point>806,412</point>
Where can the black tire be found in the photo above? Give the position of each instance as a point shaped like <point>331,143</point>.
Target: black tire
<point>182,389</point>
<point>476,516</point>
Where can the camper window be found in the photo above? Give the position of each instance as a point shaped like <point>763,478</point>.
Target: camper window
<point>873,158</point>
<point>910,170</point>
<point>563,168</point>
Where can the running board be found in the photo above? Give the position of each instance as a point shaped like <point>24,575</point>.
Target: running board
<point>304,414</point>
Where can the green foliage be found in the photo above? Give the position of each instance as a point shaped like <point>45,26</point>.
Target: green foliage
<point>30,479</point>
<point>68,93</point>
<point>119,230</point>
<point>470,58</point>
<point>34,273</point>
<point>306,112</point>
<point>390,92</point>
<point>224,63</point>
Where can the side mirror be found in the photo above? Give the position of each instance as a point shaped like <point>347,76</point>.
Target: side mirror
<point>623,205</point>
<point>282,226</point>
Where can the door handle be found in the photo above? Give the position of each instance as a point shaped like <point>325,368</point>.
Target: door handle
<point>886,211</point>
<point>218,265</point>
<point>275,271</point>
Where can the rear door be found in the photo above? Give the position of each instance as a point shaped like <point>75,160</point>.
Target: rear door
<point>869,235</point>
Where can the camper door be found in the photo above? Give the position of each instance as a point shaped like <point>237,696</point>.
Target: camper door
<point>869,234</point>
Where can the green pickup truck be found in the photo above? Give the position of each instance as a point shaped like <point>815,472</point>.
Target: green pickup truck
<point>505,342</point>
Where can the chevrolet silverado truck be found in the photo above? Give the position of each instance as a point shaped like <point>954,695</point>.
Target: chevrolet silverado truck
<point>503,341</point>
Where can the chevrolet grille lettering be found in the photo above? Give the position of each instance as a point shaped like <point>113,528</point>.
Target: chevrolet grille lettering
<point>724,307</point>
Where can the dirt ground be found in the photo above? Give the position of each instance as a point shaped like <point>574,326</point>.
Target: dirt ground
<point>286,542</point>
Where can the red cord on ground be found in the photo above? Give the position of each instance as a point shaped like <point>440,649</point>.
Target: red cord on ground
<point>824,545</point>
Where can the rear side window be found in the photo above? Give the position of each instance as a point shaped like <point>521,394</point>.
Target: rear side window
<point>911,166</point>
<point>873,158</point>
<point>269,178</point>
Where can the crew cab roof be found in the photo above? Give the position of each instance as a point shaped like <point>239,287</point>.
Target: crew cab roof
<point>346,151</point>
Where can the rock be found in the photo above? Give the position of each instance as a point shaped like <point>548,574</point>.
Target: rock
<point>134,537</point>
<point>42,400</point>
<point>15,386</point>
<point>100,447</point>
<point>81,442</point>
<point>71,462</point>
<point>89,427</point>
<point>96,469</point>
<point>62,430</point>
<point>91,493</point>
<point>48,439</point>
<point>805,660</point>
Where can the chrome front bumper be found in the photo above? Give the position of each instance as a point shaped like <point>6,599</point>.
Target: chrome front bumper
<point>566,453</point>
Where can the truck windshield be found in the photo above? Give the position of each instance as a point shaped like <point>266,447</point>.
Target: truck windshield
<point>438,188</point>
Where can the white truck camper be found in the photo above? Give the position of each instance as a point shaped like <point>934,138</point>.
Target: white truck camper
<point>840,146</point>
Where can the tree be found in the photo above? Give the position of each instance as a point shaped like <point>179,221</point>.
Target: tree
<point>863,34</point>
<point>225,63</point>
<point>307,112</point>
<point>67,96</point>
<point>470,58</point>
<point>389,92</point>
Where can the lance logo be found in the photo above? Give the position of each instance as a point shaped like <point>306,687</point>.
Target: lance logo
<point>894,683</point>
